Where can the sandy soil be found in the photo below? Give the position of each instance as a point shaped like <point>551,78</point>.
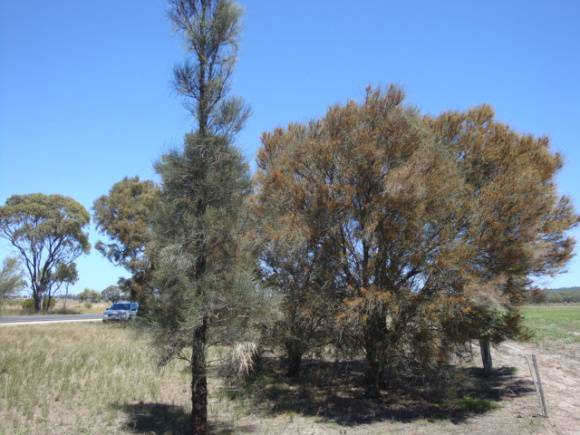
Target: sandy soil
<point>560,373</point>
<point>518,412</point>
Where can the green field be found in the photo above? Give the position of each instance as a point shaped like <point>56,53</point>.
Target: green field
<point>553,323</point>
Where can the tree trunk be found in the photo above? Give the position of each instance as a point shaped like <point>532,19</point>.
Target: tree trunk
<point>199,381</point>
<point>374,368</point>
<point>294,354</point>
<point>48,301</point>
<point>373,374</point>
<point>486,356</point>
<point>373,377</point>
<point>37,302</point>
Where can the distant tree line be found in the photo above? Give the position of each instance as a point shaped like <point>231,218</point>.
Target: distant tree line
<point>375,232</point>
<point>554,296</point>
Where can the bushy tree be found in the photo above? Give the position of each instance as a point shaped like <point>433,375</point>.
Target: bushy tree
<point>204,293</point>
<point>515,221</point>
<point>11,278</point>
<point>113,293</point>
<point>124,215</point>
<point>89,295</point>
<point>431,228</point>
<point>49,234</point>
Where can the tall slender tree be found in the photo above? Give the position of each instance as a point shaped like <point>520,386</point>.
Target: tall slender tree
<point>203,290</point>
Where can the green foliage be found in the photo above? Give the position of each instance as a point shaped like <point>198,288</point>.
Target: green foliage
<point>48,232</point>
<point>563,295</point>
<point>113,293</point>
<point>89,295</point>
<point>201,268</point>
<point>124,215</point>
<point>204,291</point>
<point>11,280</point>
<point>28,305</point>
<point>475,405</point>
<point>211,29</point>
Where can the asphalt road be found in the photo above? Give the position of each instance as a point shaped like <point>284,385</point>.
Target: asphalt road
<point>48,318</point>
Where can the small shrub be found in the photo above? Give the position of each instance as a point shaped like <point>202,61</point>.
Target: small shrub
<point>88,305</point>
<point>28,305</point>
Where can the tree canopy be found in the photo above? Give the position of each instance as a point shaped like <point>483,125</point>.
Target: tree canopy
<point>113,293</point>
<point>125,215</point>
<point>49,234</point>
<point>429,230</point>
<point>89,295</point>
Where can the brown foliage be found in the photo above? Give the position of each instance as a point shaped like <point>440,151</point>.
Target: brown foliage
<point>418,233</point>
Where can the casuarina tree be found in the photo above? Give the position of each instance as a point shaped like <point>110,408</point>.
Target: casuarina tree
<point>203,286</point>
<point>515,222</point>
<point>49,234</point>
<point>295,258</point>
<point>432,228</point>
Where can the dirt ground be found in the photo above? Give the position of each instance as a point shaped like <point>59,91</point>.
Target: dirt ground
<point>518,411</point>
<point>560,373</point>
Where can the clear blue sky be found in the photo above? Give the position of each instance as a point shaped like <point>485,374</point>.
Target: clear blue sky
<point>85,95</point>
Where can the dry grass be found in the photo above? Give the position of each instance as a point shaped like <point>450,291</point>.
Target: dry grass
<point>77,378</point>
<point>14,307</point>
<point>102,379</point>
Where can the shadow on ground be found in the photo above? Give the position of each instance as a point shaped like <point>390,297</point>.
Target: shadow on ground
<point>334,393</point>
<point>159,419</point>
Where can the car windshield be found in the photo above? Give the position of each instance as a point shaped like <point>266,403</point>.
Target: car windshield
<point>120,307</point>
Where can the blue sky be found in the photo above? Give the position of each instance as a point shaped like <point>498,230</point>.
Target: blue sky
<point>85,94</point>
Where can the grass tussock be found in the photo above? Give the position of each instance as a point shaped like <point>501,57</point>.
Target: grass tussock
<point>476,405</point>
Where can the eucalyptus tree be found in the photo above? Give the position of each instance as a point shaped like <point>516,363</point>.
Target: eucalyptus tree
<point>49,234</point>
<point>203,284</point>
<point>113,293</point>
<point>125,215</point>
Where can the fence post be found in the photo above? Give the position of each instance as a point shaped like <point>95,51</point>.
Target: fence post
<point>538,383</point>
